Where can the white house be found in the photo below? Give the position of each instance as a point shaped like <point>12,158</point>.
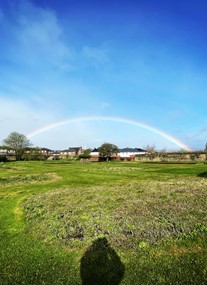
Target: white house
<point>128,152</point>
<point>124,153</point>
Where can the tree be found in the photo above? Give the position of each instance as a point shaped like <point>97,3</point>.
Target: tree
<point>17,142</point>
<point>150,148</point>
<point>106,150</point>
<point>86,154</point>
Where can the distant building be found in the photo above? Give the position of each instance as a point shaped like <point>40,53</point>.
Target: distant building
<point>129,153</point>
<point>6,150</point>
<point>75,151</point>
<point>71,152</point>
<point>46,151</point>
<point>123,154</point>
<point>94,155</point>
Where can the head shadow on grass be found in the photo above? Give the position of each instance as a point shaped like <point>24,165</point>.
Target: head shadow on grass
<point>100,265</point>
<point>203,174</point>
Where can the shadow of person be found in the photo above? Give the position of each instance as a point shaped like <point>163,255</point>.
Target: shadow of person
<point>203,174</point>
<point>100,265</point>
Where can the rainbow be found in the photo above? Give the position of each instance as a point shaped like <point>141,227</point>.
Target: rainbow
<point>112,119</point>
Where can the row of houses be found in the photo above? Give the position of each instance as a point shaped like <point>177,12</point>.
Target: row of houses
<point>73,152</point>
<point>44,152</point>
<point>126,153</point>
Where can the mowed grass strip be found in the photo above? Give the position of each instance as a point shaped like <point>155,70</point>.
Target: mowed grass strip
<point>22,179</point>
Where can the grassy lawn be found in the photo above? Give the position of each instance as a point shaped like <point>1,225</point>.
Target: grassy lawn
<point>103,223</point>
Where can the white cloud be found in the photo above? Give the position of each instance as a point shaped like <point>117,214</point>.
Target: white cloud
<point>39,35</point>
<point>197,138</point>
<point>20,116</point>
<point>38,38</point>
<point>104,105</point>
<point>198,134</point>
<point>97,55</point>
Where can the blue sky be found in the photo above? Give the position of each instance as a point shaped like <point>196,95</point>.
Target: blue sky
<point>144,61</point>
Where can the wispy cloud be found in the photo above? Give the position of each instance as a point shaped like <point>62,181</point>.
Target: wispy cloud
<point>104,105</point>
<point>22,116</point>
<point>197,137</point>
<point>98,56</point>
<point>40,36</point>
<point>198,133</point>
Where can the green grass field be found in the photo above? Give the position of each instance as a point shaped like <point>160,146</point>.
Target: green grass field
<point>103,223</point>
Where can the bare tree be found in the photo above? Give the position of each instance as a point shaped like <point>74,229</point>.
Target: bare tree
<point>150,148</point>
<point>17,142</point>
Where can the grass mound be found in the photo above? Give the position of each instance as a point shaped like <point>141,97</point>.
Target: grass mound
<point>27,179</point>
<point>128,215</point>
